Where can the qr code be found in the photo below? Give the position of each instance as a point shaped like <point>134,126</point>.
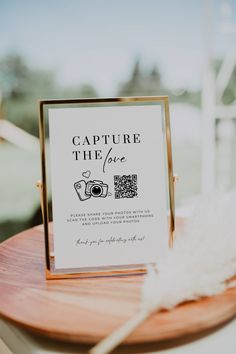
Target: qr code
<point>125,186</point>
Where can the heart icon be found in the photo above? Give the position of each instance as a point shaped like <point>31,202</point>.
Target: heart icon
<point>86,174</point>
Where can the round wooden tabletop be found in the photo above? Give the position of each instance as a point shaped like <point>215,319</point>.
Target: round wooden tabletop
<point>87,310</point>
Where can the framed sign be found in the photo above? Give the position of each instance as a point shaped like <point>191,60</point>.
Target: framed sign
<point>108,166</point>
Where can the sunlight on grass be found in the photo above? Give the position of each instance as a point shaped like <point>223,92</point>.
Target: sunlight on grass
<point>20,169</point>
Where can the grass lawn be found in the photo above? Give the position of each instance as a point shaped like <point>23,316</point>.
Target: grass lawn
<point>19,199</point>
<point>187,164</point>
<point>20,170</point>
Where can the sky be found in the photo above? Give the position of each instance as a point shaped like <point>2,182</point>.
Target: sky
<point>97,41</point>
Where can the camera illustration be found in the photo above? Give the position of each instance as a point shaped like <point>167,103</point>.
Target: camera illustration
<point>94,188</point>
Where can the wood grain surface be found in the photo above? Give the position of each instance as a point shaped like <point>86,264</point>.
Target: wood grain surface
<point>87,310</point>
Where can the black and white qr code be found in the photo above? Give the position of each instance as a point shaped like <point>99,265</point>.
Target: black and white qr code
<point>125,186</point>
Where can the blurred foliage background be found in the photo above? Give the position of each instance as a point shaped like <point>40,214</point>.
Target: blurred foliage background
<point>23,83</point>
<point>22,86</point>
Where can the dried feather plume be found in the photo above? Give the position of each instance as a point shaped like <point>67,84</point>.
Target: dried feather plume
<point>203,259</point>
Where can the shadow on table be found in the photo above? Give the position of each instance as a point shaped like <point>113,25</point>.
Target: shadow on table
<point>65,347</point>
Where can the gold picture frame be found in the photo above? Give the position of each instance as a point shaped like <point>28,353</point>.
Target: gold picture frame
<point>51,272</point>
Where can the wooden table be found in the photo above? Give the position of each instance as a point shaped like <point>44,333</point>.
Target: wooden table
<point>83,311</point>
<point>221,341</point>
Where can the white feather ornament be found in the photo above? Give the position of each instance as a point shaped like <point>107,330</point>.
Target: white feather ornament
<point>202,260</point>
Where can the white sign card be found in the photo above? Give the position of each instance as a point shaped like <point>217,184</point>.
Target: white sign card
<point>109,185</point>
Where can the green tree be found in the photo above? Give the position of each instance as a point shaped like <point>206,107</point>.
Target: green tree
<point>22,86</point>
<point>141,83</point>
<point>14,75</point>
<point>229,94</point>
<point>150,83</point>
